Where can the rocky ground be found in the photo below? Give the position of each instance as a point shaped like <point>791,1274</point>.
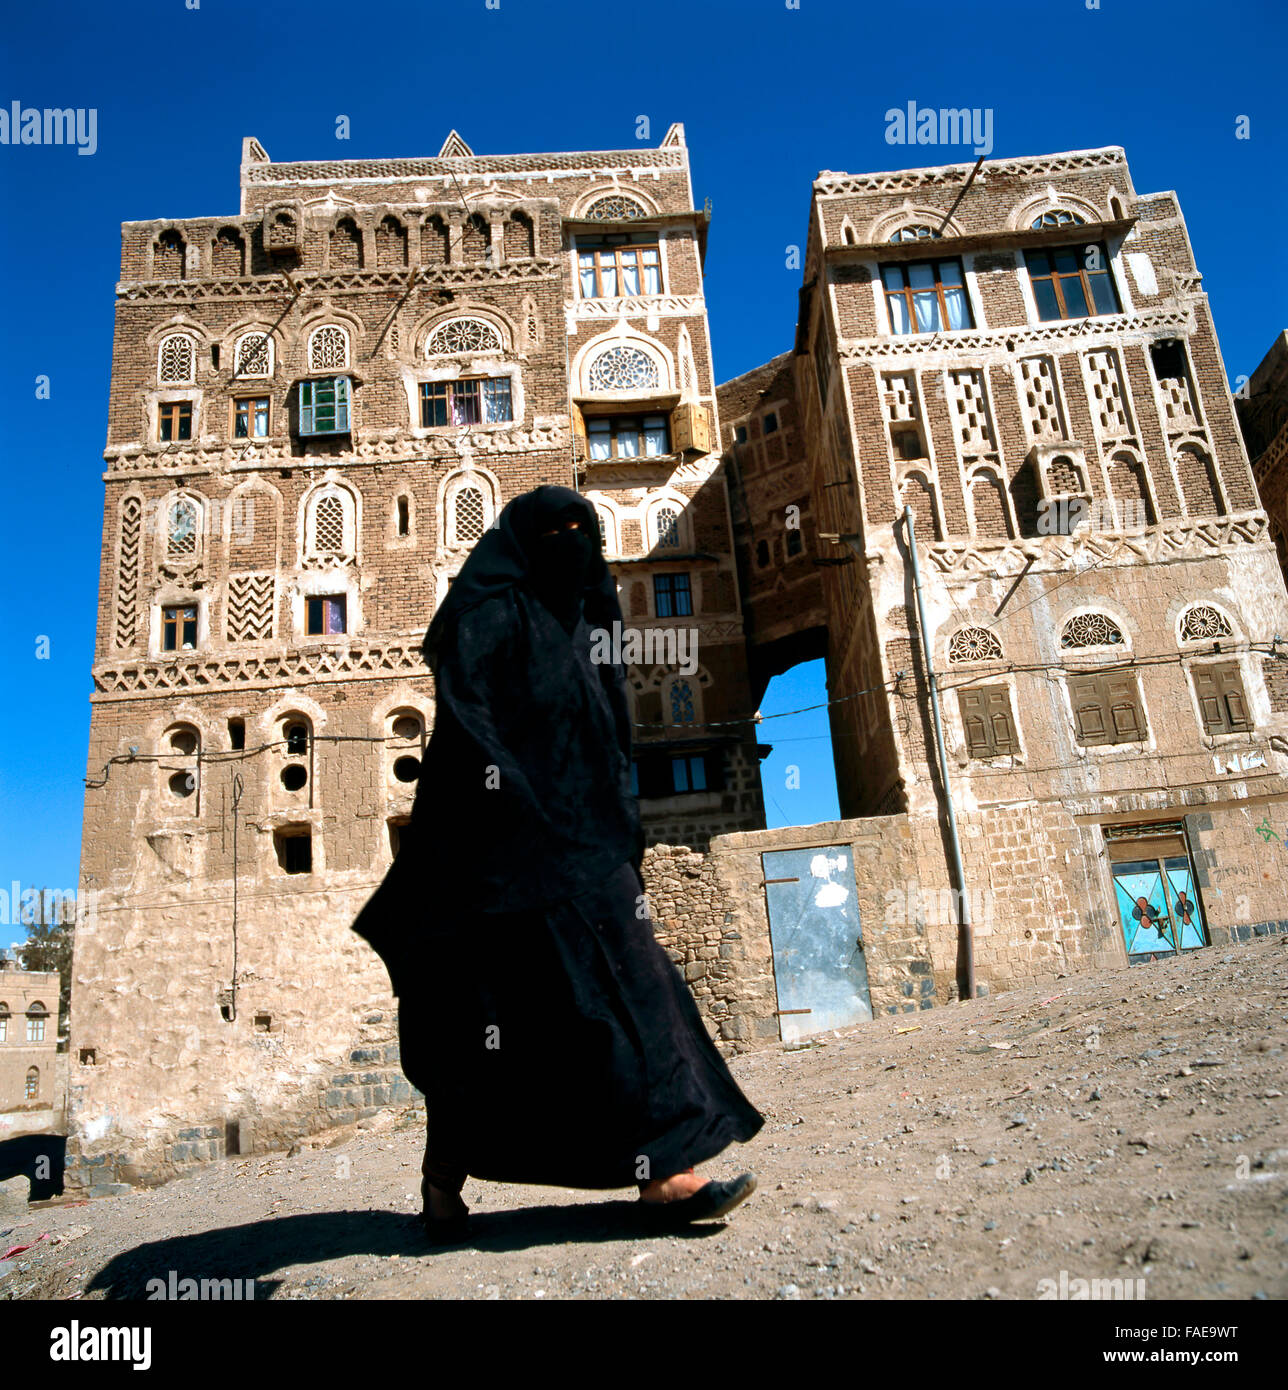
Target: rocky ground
<point>1123,1125</point>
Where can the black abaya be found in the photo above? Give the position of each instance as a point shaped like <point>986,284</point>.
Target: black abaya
<point>553,1039</point>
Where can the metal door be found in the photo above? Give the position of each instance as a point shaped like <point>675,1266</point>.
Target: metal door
<point>817,940</point>
<point>1157,906</point>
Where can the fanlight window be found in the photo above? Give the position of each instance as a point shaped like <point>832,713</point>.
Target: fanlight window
<point>255,355</point>
<point>623,368</point>
<point>181,530</point>
<point>463,335</point>
<point>1090,630</point>
<point>176,359</point>
<point>918,231</point>
<point>328,349</point>
<point>974,644</point>
<point>1203,622</point>
<point>614,208</point>
<point>1058,217</point>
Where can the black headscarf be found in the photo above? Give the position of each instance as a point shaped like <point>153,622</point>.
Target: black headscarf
<point>524,796</point>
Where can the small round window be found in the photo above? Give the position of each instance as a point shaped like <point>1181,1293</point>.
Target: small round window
<point>294,777</point>
<point>407,769</point>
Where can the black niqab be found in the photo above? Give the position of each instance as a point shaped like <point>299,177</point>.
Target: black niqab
<point>524,796</point>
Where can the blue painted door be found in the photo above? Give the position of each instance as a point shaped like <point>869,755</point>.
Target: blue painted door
<point>1157,906</point>
<point>817,939</point>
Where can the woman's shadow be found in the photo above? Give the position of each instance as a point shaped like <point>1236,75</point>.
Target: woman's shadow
<point>258,1249</point>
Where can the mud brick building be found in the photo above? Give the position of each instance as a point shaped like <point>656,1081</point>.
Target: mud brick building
<point>32,1082</point>
<point>1263,414</point>
<point>319,404</point>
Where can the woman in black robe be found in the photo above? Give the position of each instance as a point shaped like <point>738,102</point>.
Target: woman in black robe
<point>553,1039</point>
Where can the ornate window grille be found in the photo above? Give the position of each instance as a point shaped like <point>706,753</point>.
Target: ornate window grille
<point>623,368</point>
<point>974,644</point>
<point>328,348</point>
<point>682,706</point>
<point>1090,630</point>
<point>614,208</point>
<point>176,360</point>
<point>668,528</point>
<point>181,538</point>
<point>469,516</point>
<point>918,231</point>
<point>463,335</point>
<point>255,355</point>
<point>1203,622</point>
<point>1058,217</point>
<point>328,525</point>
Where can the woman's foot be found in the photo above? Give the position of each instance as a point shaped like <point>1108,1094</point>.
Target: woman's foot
<point>710,1200</point>
<point>443,1206</point>
<point>672,1189</point>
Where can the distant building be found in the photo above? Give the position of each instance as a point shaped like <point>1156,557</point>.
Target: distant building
<point>28,1042</point>
<point>1263,413</point>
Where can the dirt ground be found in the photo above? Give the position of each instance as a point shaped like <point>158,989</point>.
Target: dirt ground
<point>1123,1125</point>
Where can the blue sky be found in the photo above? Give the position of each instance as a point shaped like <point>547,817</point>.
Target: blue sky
<point>769,95</point>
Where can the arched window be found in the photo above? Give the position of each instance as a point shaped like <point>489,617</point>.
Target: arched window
<point>916,231</point>
<point>614,207</point>
<point>183,528</point>
<point>1090,630</point>
<point>1202,623</point>
<point>328,348</point>
<point>623,368</point>
<point>37,1016</point>
<point>253,355</point>
<point>177,360</point>
<point>169,256</point>
<point>329,525</point>
<point>607,543</point>
<point>973,644</point>
<point>682,703</point>
<point>31,1091</point>
<point>460,336</point>
<point>5,1016</point>
<point>402,515</point>
<point>1057,217</point>
<point>468,515</point>
<point>666,527</point>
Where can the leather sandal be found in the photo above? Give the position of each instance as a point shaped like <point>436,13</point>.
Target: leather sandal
<point>710,1201</point>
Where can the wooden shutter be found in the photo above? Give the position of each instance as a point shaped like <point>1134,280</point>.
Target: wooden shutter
<point>690,429</point>
<point>1106,709</point>
<point>986,719</point>
<point>580,450</point>
<point>1221,699</point>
